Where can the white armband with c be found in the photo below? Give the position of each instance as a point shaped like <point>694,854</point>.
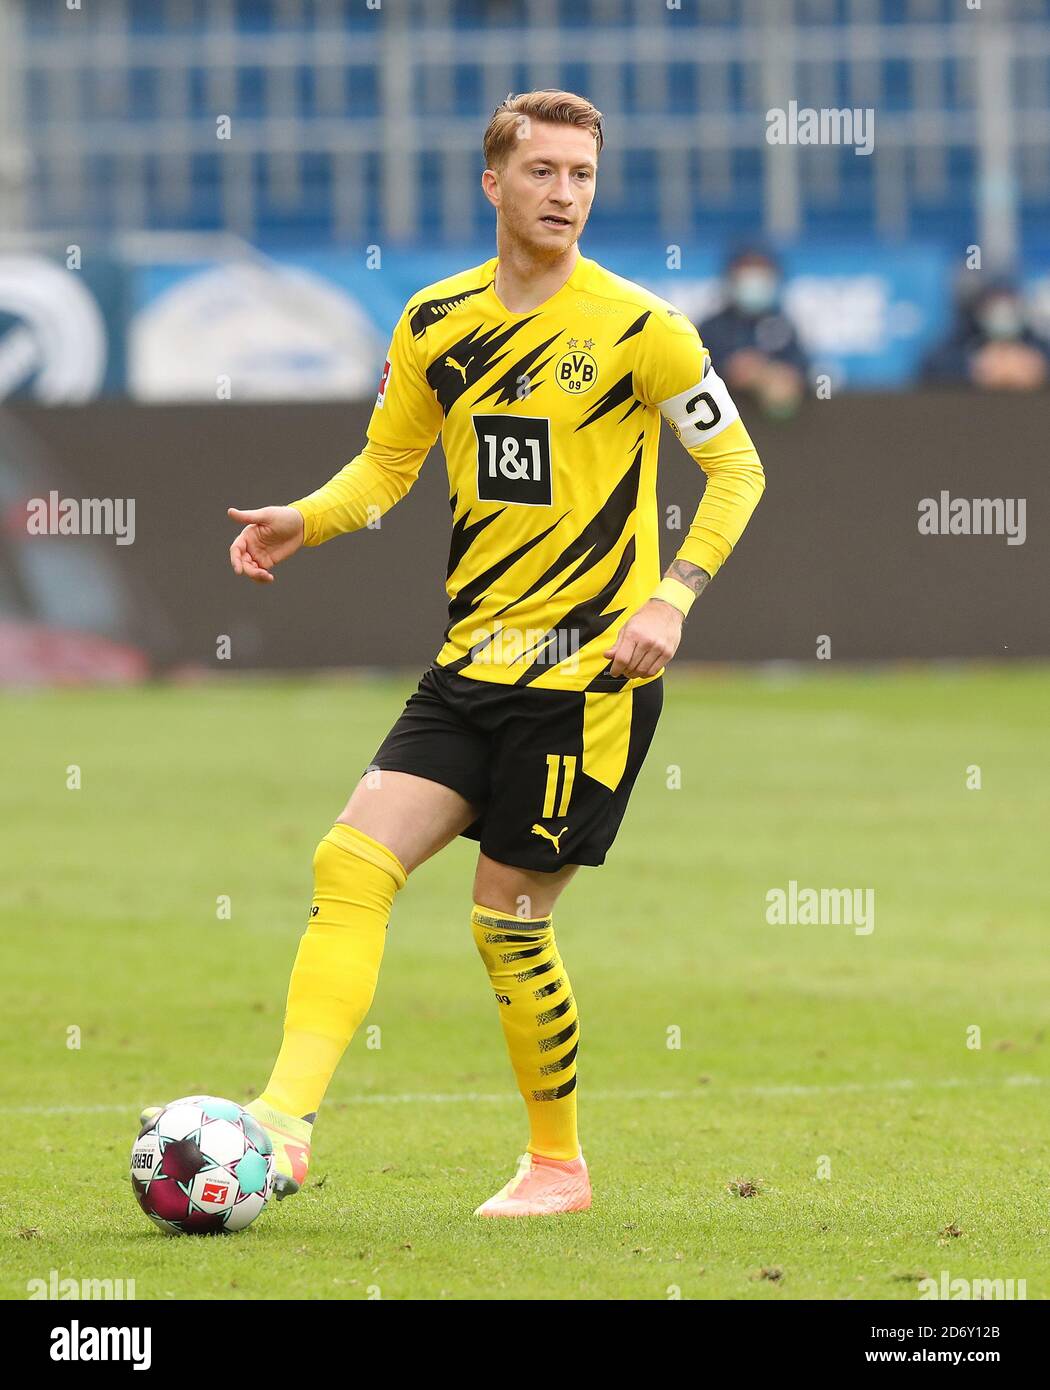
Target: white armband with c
<point>702,412</point>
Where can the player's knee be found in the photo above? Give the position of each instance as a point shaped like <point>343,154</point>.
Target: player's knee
<point>346,855</point>
<point>511,945</point>
<point>521,893</point>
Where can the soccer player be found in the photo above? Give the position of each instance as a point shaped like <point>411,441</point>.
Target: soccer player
<point>546,377</point>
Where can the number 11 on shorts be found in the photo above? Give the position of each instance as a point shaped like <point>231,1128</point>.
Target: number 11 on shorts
<point>563,766</point>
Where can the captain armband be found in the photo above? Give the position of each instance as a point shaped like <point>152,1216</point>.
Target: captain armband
<point>701,412</point>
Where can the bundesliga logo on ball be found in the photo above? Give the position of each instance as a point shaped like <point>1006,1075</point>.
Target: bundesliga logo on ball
<point>201,1166</point>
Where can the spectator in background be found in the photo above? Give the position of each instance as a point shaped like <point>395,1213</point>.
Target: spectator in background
<point>752,342</point>
<point>990,344</point>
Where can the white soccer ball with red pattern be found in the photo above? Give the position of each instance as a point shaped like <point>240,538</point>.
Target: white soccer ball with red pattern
<point>202,1166</point>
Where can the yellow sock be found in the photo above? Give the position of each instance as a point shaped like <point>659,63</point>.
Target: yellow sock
<point>539,1020</point>
<point>337,965</point>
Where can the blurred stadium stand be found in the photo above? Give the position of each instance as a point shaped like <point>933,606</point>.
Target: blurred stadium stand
<point>141,257</point>
<point>355,128</point>
<point>356,123</point>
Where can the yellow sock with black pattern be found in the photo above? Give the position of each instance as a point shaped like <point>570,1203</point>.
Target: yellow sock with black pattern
<point>337,965</point>
<point>540,1023</point>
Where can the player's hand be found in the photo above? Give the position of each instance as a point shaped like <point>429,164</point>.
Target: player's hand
<point>270,535</point>
<point>647,640</point>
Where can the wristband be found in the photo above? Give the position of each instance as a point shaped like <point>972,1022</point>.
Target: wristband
<point>677,594</point>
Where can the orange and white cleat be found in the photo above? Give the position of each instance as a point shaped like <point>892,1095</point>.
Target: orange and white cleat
<point>291,1146</point>
<point>542,1187</point>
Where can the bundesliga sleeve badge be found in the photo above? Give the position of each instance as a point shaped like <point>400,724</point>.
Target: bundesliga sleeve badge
<point>383,382</point>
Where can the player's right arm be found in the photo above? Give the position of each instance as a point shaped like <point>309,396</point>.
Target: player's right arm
<point>406,420</point>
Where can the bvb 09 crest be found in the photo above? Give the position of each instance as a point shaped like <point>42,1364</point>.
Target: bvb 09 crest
<point>576,372</point>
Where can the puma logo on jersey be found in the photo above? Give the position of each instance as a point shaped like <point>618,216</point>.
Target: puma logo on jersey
<point>539,830</point>
<point>451,362</point>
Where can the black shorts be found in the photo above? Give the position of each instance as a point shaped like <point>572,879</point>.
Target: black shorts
<point>551,770</point>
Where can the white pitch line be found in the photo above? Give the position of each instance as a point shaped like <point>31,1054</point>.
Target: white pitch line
<point>694,1093</point>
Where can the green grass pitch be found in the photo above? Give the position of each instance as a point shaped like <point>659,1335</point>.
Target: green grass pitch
<point>831,1070</point>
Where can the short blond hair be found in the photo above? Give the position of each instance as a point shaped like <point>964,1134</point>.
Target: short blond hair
<point>550,104</point>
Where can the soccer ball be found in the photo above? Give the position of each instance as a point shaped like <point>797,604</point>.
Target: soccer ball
<point>203,1165</point>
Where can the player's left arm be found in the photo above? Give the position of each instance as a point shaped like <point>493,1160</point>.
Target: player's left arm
<point>704,417</point>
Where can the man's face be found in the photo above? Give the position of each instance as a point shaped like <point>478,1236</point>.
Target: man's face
<point>1001,315</point>
<point>545,190</point>
<point>754,284</point>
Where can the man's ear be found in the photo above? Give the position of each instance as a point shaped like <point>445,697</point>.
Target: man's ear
<point>490,187</point>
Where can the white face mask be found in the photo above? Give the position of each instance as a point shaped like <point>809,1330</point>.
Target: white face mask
<point>754,289</point>
<point>1001,318</point>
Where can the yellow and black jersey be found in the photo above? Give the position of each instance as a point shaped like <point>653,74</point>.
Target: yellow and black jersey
<point>550,422</point>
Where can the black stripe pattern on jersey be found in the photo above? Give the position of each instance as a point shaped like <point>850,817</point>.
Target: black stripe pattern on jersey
<point>432,311</point>
<point>635,327</point>
<point>456,369</point>
<point>617,394</point>
<point>471,594</point>
<point>464,534</point>
<point>506,389</point>
<point>589,617</point>
<point>596,539</point>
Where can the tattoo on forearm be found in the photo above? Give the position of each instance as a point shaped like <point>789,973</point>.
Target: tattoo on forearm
<point>692,576</point>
